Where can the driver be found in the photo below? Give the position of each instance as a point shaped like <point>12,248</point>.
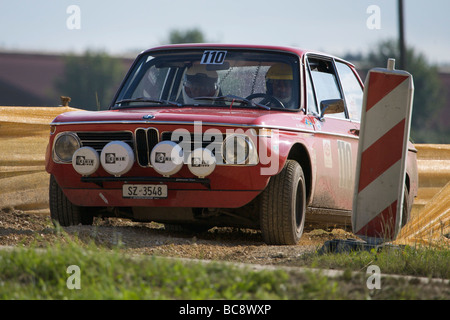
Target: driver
<point>279,83</point>
<point>199,82</point>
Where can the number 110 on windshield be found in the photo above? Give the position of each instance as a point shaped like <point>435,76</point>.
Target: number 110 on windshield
<point>213,57</point>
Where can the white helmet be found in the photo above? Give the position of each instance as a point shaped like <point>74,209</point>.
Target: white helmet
<point>199,82</point>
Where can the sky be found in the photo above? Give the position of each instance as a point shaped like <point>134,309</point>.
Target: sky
<point>128,27</point>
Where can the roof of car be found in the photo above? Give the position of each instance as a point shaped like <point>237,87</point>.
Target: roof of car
<point>236,46</point>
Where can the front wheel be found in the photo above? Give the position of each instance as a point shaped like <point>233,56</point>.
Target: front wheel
<point>283,206</point>
<point>63,211</point>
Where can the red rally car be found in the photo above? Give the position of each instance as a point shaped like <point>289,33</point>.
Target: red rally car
<point>205,135</point>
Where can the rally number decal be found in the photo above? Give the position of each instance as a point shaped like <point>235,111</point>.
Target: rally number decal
<point>345,164</point>
<point>213,57</point>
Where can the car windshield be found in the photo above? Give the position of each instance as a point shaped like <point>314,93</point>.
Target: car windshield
<point>222,77</point>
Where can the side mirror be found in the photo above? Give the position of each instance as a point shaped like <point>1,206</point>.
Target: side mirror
<point>331,106</point>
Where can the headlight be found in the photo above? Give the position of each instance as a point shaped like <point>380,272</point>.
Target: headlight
<point>239,149</point>
<point>65,145</point>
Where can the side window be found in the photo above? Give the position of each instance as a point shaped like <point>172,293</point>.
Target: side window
<point>325,82</point>
<point>311,101</point>
<point>353,91</point>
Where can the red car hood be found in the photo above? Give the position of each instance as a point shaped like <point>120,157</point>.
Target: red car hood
<point>238,116</point>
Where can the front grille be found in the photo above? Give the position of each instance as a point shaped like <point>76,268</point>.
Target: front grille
<point>146,139</point>
<point>99,139</point>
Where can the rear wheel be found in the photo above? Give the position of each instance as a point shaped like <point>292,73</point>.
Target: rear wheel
<point>65,213</point>
<point>283,206</point>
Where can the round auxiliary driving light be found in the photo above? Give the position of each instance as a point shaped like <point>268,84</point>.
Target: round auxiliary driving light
<point>201,162</point>
<point>85,161</point>
<point>117,158</point>
<point>167,158</point>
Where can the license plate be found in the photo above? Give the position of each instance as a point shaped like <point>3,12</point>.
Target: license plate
<point>144,191</point>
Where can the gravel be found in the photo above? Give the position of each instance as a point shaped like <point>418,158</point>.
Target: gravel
<point>19,228</point>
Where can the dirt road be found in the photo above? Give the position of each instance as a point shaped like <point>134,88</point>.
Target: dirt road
<point>224,244</point>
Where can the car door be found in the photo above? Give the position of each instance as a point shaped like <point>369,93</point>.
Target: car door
<point>336,137</point>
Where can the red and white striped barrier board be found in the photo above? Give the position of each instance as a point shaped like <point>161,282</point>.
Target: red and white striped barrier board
<point>381,165</point>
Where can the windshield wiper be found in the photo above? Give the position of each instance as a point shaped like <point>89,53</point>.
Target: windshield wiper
<point>232,98</point>
<point>145,100</point>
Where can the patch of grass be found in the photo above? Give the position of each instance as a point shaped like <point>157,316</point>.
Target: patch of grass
<point>420,262</point>
<point>42,272</point>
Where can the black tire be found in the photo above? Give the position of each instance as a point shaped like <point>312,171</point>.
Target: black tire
<point>65,213</point>
<point>283,206</point>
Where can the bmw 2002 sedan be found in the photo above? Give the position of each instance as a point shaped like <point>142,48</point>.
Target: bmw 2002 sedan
<point>207,135</point>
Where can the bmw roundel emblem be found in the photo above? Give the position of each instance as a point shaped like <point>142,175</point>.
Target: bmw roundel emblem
<point>148,117</point>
